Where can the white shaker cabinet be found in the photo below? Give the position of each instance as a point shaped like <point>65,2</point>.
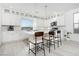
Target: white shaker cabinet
<point>10,19</point>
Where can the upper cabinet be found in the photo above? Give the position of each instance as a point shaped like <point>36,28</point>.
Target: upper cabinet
<point>10,19</point>
<point>60,20</point>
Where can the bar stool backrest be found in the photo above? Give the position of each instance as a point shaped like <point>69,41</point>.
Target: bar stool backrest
<point>39,36</point>
<point>58,31</point>
<point>51,33</point>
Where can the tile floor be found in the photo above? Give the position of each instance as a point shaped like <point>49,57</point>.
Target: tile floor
<point>20,48</point>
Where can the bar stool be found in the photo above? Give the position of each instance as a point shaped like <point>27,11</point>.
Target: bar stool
<point>50,39</point>
<point>59,36</point>
<point>37,41</point>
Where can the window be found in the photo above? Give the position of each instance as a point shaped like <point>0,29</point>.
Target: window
<point>76,23</point>
<point>26,24</point>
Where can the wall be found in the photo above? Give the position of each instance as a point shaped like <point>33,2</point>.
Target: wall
<point>0,27</point>
<point>18,34</point>
<point>60,23</point>
<point>60,20</point>
<point>10,19</point>
<point>69,24</point>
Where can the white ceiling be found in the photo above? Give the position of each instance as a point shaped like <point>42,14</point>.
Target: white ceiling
<point>40,9</point>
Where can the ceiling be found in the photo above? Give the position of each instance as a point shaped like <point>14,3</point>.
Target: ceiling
<point>42,9</point>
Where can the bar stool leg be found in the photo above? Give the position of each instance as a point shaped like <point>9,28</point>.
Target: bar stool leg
<point>54,45</point>
<point>58,42</point>
<point>44,49</point>
<point>29,48</point>
<point>49,46</point>
<point>35,49</point>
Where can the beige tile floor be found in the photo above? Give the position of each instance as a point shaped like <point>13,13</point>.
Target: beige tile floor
<point>20,48</point>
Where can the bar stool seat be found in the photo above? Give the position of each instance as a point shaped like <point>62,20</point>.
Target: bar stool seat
<point>47,38</point>
<point>59,36</point>
<point>32,40</point>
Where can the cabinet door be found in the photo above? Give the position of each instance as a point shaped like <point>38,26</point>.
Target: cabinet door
<point>10,19</point>
<point>0,31</point>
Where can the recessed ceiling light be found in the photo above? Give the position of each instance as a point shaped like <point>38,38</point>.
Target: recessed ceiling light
<point>22,13</point>
<point>7,10</point>
<point>35,16</point>
<point>58,15</point>
<point>13,12</point>
<point>45,6</point>
<point>54,16</point>
<point>36,12</point>
<point>51,16</point>
<point>17,13</point>
<point>30,15</point>
<point>26,14</point>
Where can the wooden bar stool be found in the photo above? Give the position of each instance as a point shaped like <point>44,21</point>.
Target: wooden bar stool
<point>59,36</point>
<point>50,39</point>
<point>37,41</point>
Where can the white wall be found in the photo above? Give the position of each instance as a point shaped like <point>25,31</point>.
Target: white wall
<point>13,19</point>
<point>10,19</point>
<point>60,23</point>
<point>0,27</point>
<point>69,24</point>
<point>60,20</point>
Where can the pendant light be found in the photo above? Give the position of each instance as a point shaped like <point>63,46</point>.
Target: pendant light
<point>46,11</point>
